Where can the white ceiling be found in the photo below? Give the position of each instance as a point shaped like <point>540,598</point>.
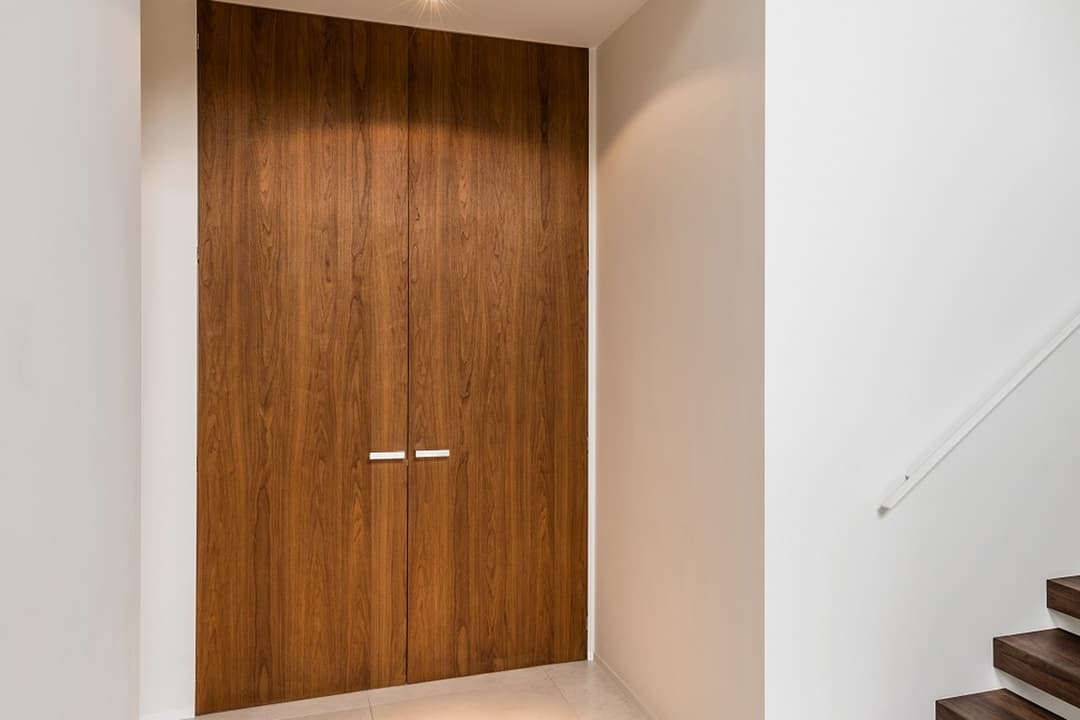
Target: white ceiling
<point>585,23</point>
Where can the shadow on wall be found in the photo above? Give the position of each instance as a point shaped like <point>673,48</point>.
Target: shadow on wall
<point>682,44</point>
<point>680,357</point>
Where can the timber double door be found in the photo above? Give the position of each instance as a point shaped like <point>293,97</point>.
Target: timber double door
<point>392,355</point>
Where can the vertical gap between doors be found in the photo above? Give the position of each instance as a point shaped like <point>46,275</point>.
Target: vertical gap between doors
<point>408,324</point>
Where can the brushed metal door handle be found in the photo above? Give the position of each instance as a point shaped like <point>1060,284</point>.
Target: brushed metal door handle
<point>384,456</point>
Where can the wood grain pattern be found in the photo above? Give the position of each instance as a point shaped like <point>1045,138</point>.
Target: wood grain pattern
<point>303,346</point>
<point>1063,595</point>
<point>1049,660</point>
<point>995,705</point>
<point>498,347</point>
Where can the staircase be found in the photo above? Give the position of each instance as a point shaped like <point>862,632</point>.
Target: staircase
<point>1048,660</point>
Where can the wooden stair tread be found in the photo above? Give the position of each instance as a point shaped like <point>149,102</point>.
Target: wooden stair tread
<point>1049,660</point>
<point>995,705</point>
<point>1063,595</point>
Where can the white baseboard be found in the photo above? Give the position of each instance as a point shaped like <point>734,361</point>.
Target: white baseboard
<point>180,714</point>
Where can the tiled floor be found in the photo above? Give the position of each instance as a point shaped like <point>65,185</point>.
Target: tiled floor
<point>575,691</point>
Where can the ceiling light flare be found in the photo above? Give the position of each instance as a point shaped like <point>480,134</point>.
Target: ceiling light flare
<point>429,11</point>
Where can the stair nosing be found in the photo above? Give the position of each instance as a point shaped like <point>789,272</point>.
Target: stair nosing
<point>978,706</point>
<point>1063,673</point>
<point>1063,595</point>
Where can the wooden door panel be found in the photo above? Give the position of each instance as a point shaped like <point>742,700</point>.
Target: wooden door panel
<point>498,345</point>
<point>303,347</point>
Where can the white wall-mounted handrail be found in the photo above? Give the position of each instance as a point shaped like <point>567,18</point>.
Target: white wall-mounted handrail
<point>934,459</point>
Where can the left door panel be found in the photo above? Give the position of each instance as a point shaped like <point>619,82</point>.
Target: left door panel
<point>303,356</point>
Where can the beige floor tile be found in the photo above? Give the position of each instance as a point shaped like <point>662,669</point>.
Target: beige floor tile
<point>301,709</point>
<point>358,714</point>
<point>594,693</point>
<point>529,678</point>
<point>573,691</point>
<point>521,704</point>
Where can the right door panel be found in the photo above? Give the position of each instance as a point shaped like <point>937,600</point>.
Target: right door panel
<point>498,203</point>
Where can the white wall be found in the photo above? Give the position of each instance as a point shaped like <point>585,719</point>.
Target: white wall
<point>923,169</point>
<point>680,577</point>
<point>169,369</point>
<point>69,360</point>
